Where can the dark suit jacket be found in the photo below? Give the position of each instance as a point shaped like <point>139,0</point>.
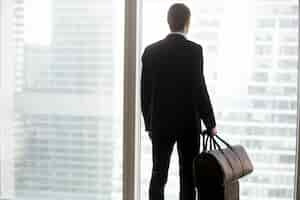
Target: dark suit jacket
<point>173,90</point>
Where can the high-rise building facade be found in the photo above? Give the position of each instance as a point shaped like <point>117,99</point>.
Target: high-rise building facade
<point>250,64</point>
<point>62,132</point>
<point>67,138</point>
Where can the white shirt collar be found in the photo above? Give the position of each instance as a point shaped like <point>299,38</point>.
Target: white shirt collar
<point>178,33</point>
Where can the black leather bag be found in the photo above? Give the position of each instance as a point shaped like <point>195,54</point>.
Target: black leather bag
<point>217,170</point>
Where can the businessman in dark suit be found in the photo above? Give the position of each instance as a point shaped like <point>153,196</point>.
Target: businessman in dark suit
<point>174,101</point>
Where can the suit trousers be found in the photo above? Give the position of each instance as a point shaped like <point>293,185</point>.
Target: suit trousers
<point>188,144</point>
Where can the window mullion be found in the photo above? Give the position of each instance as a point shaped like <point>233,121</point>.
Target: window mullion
<point>130,154</point>
<point>297,177</point>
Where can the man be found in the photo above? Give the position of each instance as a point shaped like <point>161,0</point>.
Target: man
<point>174,100</point>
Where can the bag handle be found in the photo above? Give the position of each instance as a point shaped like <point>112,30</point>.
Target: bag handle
<point>213,144</point>
<point>205,143</point>
<point>226,144</point>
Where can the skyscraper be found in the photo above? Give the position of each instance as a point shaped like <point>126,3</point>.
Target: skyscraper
<point>66,136</point>
<point>250,64</point>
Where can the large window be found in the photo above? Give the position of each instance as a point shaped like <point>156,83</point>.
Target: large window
<point>251,49</point>
<point>63,100</point>
<point>62,131</point>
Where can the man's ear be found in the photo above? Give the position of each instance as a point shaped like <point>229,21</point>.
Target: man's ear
<point>187,26</point>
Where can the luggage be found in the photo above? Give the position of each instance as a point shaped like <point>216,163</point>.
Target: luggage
<point>217,171</point>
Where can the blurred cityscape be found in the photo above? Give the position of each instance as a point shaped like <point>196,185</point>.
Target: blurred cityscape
<point>250,63</point>
<point>67,135</point>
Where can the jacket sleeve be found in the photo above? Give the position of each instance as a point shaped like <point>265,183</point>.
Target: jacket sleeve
<point>205,108</point>
<point>146,91</point>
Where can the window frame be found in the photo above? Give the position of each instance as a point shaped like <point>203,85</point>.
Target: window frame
<point>1,64</point>
<point>297,168</point>
<point>6,81</point>
<point>131,109</point>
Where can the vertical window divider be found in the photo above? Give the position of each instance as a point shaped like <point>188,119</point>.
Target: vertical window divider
<point>6,97</point>
<point>297,176</point>
<point>1,65</point>
<point>131,119</point>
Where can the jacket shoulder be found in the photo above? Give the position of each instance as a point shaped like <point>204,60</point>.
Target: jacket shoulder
<point>195,45</point>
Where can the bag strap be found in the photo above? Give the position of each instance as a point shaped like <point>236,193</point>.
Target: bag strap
<point>215,145</point>
<point>232,149</point>
<point>206,139</point>
<point>205,143</point>
<point>224,142</point>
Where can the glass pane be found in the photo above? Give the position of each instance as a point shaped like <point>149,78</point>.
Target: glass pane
<point>67,116</point>
<point>250,52</point>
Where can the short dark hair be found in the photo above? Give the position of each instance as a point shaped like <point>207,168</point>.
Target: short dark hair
<point>178,16</point>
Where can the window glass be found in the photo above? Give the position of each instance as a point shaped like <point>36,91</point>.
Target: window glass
<point>66,121</point>
<point>250,64</point>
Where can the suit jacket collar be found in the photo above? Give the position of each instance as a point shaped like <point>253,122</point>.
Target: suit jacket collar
<point>175,35</point>
<point>178,33</point>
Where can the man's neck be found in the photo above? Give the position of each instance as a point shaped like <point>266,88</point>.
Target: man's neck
<point>179,33</point>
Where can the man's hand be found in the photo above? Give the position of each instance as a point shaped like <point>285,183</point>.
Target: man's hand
<point>213,131</point>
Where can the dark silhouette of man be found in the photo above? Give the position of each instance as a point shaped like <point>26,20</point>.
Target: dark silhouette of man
<point>174,101</point>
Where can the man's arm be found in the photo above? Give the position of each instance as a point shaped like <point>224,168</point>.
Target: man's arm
<point>205,106</point>
<point>146,91</point>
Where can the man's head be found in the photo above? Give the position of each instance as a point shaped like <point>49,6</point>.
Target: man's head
<point>179,18</point>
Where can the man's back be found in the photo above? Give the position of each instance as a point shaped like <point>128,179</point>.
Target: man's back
<point>171,84</point>
<point>174,99</point>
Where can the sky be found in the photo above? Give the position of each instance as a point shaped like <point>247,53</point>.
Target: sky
<point>38,22</point>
